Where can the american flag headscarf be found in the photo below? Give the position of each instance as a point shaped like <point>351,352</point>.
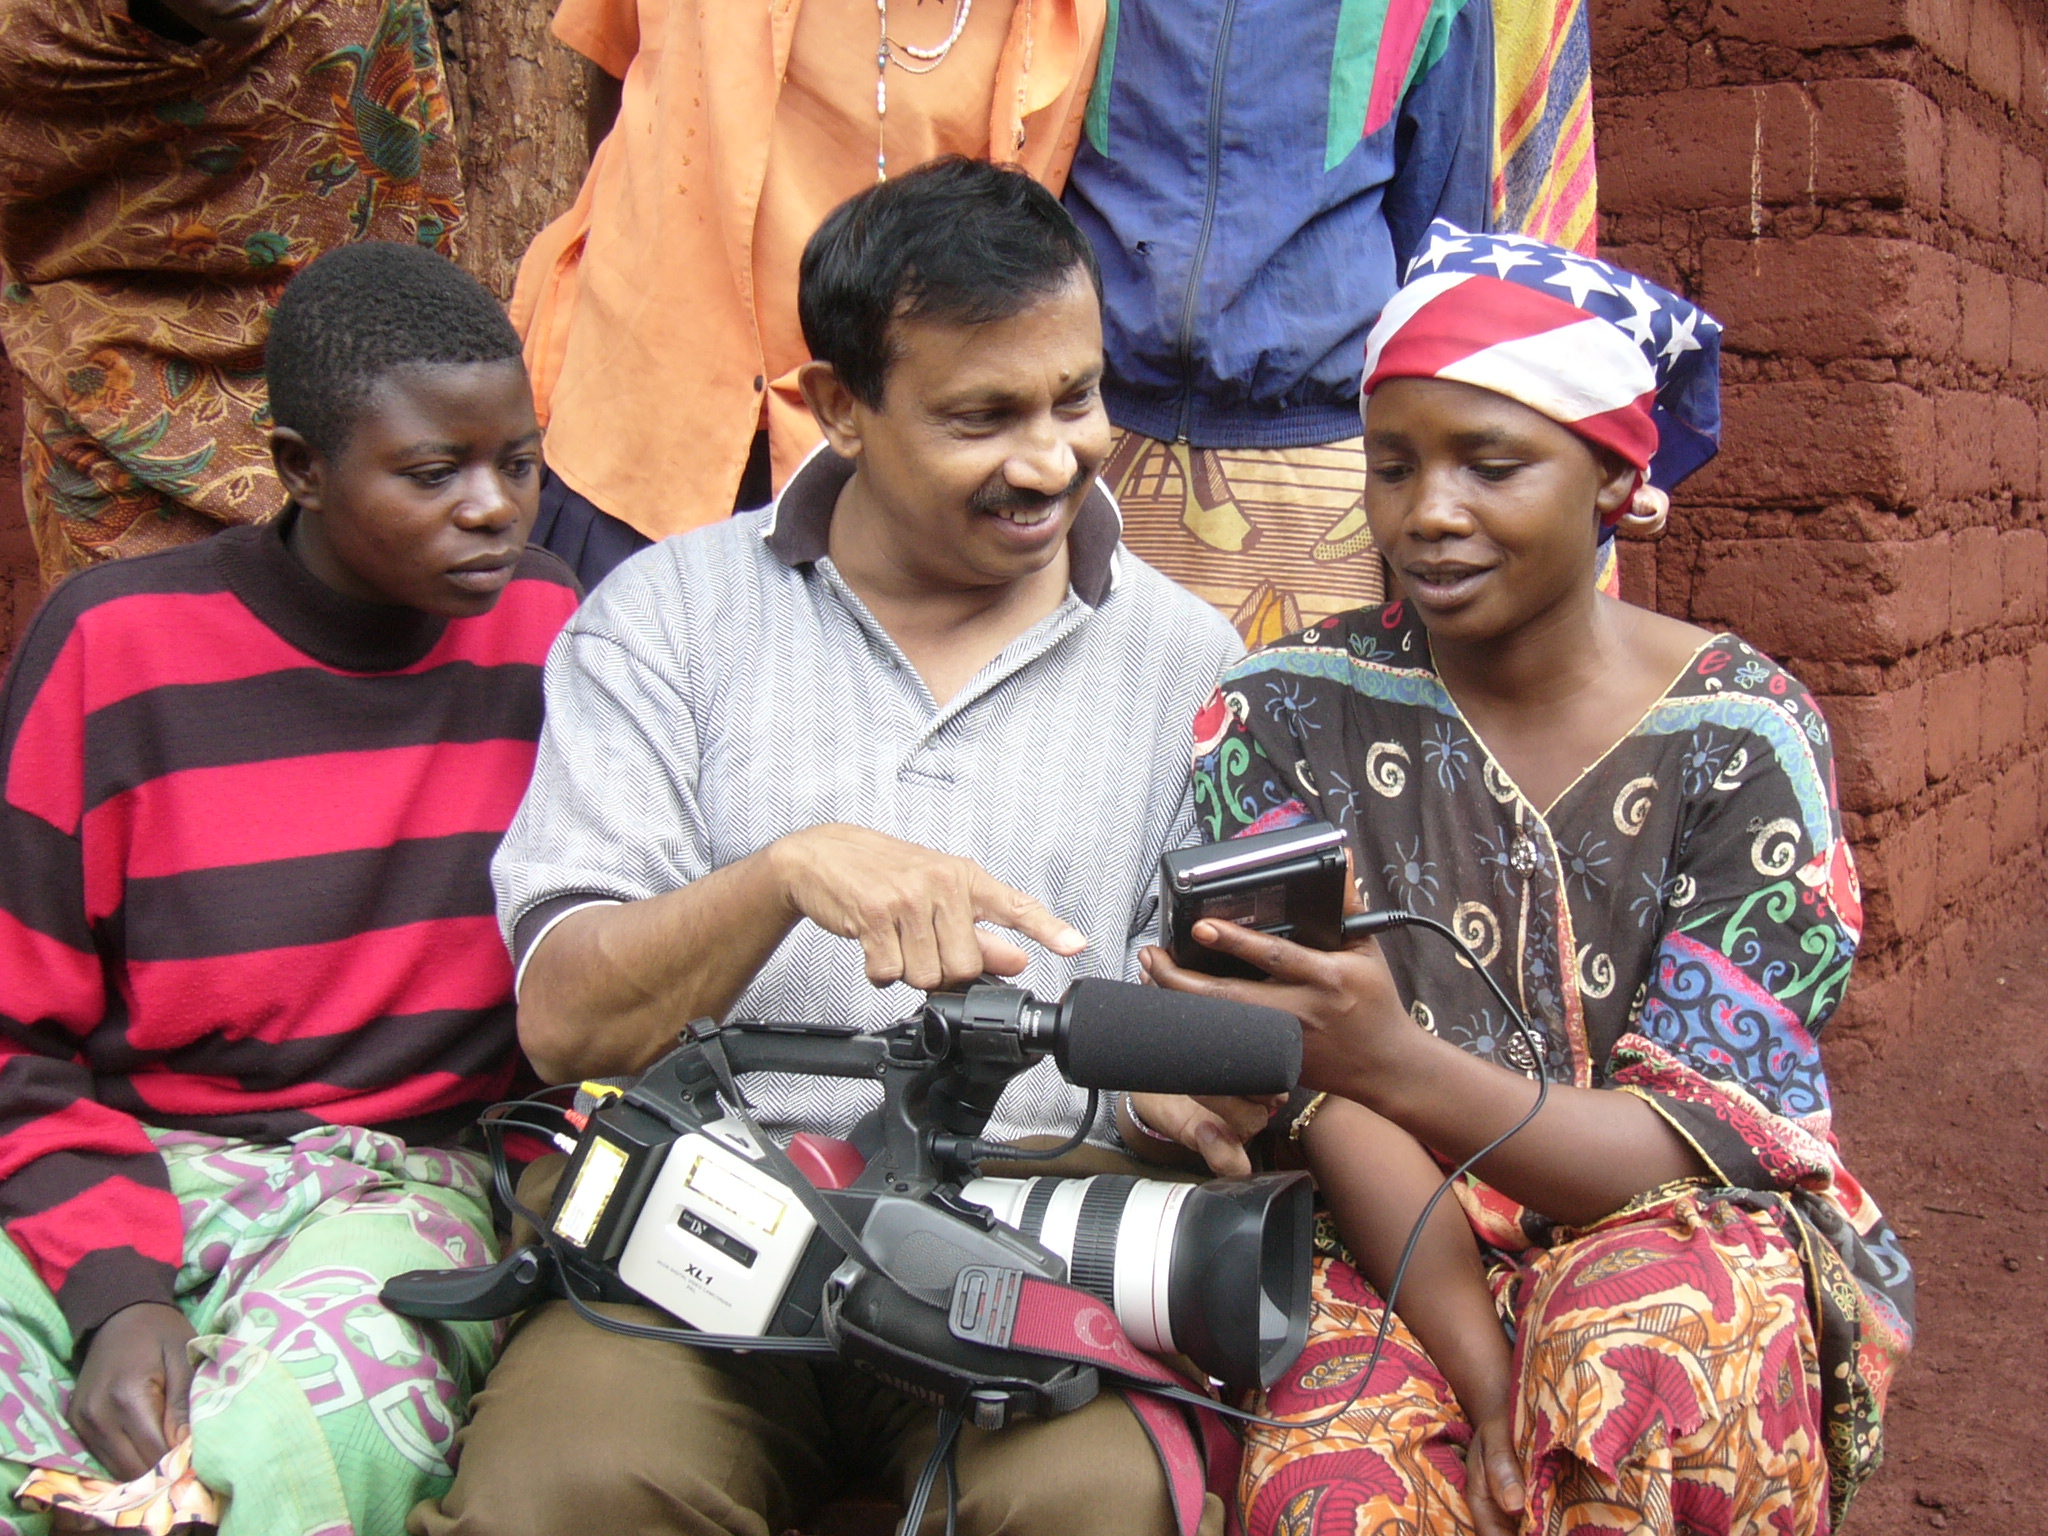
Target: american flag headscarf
<point>1620,361</point>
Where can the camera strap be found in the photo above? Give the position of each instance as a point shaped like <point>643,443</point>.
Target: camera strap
<point>1009,1309</point>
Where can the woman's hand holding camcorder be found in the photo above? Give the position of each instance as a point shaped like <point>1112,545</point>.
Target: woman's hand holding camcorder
<point>1355,1032</point>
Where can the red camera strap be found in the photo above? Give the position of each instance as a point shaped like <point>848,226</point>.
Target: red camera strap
<point>1067,1324</point>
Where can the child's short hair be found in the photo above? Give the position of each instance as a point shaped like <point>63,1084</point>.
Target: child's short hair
<point>362,311</point>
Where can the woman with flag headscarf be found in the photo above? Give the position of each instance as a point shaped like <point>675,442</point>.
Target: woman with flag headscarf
<point>1668,1306</point>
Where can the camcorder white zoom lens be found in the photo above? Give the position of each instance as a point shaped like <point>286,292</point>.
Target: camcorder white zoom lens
<point>1218,1271</point>
<point>1116,1234</point>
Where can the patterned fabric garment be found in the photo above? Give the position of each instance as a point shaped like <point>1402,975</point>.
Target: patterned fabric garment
<point>1544,179</point>
<point>315,1412</point>
<point>158,197</point>
<point>1678,924</point>
<point>1665,1361</point>
<point>1274,538</point>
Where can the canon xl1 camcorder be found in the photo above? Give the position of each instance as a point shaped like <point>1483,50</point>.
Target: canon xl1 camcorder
<point>890,1250</point>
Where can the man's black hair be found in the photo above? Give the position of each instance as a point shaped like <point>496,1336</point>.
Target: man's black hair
<point>957,240</point>
<point>360,312</point>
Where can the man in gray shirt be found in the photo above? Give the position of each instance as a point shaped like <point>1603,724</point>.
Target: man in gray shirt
<point>798,764</point>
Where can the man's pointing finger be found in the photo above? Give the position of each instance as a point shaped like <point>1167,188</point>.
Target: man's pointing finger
<point>995,902</point>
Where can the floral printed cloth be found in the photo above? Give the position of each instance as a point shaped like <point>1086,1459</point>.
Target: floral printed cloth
<point>1679,924</point>
<point>165,1497</point>
<point>157,197</point>
<point>315,1412</point>
<point>1664,1361</point>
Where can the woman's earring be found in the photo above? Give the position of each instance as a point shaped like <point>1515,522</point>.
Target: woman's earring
<point>1647,510</point>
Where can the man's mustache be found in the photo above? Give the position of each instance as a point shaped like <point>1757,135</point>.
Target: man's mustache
<point>998,497</point>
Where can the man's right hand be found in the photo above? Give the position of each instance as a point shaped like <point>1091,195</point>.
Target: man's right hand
<point>913,911</point>
<point>131,1402</point>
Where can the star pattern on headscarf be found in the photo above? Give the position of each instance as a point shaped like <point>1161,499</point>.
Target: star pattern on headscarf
<point>1663,325</point>
<point>1680,341</point>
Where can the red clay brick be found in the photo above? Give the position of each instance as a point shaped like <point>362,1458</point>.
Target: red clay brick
<point>2016,820</point>
<point>2037,692</point>
<point>1687,150</point>
<point>2024,212</point>
<point>2029,327</point>
<point>1838,24</point>
<point>2005,706</point>
<point>1880,747</point>
<point>1821,440</point>
<point>2015,446</point>
<point>1987,319</point>
<point>1955,722</point>
<point>1908,870</point>
<point>1944,26</point>
<point>1877,1006</point>
<point>1972,174</point>
<point>1964,421</point>
<point>1996,55</point>
<point>1976,585</point>
<point>1875,141</point>
<point>2034,78</point>
<point>1963,859</point>
<point>1826,599</point>
<point>2023,559</point>
<point>1833,296</point>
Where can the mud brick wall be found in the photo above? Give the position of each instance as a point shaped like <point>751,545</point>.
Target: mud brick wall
<point>1856,188</point>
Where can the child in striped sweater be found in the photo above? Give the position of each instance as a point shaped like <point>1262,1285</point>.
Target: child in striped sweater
<point>250,981</point>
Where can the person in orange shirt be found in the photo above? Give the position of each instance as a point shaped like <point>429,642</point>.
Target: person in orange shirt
<point>659,312</point>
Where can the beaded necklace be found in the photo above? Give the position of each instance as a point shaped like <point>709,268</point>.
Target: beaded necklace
<point>927,60</point>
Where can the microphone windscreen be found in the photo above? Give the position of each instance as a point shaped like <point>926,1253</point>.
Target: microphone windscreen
<point>1150,1040</point>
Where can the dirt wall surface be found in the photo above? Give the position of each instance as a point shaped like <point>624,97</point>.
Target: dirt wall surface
<point>1856,188</point>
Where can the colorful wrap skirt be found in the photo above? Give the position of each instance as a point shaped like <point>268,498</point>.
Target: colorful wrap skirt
<point>314,1411</point>
<point>1667,1380</point>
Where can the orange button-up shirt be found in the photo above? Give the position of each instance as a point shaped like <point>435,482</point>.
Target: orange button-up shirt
<point>660,311</point>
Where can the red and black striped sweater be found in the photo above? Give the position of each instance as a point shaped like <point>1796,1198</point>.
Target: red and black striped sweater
<point>245,840</point>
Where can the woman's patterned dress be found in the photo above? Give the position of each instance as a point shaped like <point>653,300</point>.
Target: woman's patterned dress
<point>1678,925</point>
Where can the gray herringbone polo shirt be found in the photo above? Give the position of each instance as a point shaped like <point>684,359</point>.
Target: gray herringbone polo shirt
<point>726,687</point>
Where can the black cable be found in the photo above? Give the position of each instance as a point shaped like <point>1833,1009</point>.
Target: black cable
<point>940,1460</point>
<point>996,1151</point>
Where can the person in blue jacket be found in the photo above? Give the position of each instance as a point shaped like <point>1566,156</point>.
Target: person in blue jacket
<point>1255,176</point>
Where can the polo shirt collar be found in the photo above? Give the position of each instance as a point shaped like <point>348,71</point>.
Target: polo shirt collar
<point>799,525</point>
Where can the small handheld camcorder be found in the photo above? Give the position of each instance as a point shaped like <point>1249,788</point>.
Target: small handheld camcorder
<point>1288,883</point>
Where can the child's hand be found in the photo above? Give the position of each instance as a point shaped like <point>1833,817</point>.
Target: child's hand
<point>130,1404</point>
<point>1493,1483</point>
<point>1215,1128</point>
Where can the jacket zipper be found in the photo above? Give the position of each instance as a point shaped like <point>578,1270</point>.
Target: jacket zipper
<point>1187,309</point>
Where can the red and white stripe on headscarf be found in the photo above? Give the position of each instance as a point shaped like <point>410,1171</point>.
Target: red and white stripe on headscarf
<point>1622,362</point>
<point>1577,369</point>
